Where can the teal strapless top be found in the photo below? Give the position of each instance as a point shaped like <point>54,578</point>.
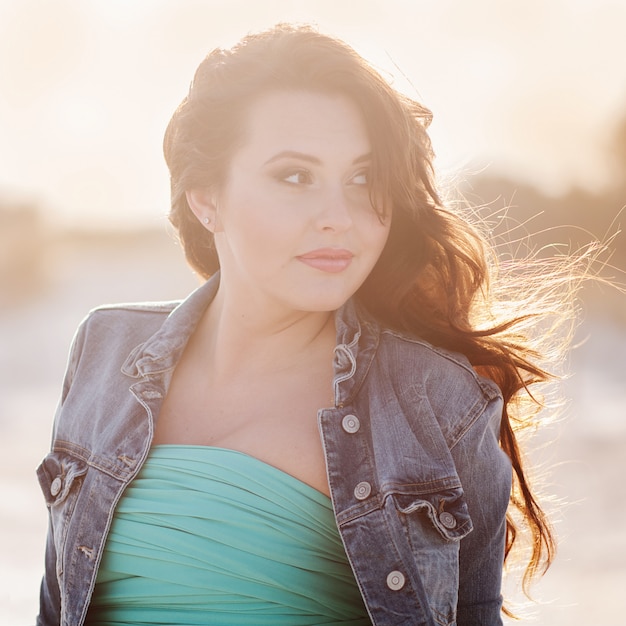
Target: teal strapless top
<point>207,535</point>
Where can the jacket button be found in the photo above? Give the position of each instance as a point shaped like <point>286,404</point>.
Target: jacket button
<point>350,423</point>
<point>395,580</point>
<point>362,490</point>
<point>447,520</point>
<point>55,487</point>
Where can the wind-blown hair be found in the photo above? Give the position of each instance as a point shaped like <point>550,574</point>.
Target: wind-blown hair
<point>433,277</point>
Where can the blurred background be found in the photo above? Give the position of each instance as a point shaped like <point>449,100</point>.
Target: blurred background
<point>529,102</point>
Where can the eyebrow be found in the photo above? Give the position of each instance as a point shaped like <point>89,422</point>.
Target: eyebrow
<point>303,156</point>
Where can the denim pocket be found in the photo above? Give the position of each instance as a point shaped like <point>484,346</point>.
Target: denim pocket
<point>60,476</point>
<point>434,524</point>
<point>446,510</point>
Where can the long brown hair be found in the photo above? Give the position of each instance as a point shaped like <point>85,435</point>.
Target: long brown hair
<point>434,277</point>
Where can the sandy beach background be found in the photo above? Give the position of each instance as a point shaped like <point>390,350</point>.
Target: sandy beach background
<point>586,451</point>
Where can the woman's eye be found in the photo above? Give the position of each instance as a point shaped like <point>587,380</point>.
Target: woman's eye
<point>298,177</point>
<point>361,178</point>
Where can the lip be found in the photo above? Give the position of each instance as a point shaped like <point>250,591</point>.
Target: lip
<point>331,260</point>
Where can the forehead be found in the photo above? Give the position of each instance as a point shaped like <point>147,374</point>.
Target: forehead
<point>305,120</point>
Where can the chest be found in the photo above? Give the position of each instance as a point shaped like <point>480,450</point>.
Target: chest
<point>273,419</point>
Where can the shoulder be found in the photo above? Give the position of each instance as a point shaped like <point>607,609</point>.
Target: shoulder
<point>407,357</point>
<point>438,380</point>
<point>118,327</point>
<point>129,316</point>
<point>431,363</point>
<point>134,309</point>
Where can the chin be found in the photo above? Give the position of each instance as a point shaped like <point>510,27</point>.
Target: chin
<point>325,300</point>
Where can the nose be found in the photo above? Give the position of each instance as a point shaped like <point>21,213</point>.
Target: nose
<point>334,213</point>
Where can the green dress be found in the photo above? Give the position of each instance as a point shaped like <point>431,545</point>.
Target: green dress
<point>206,535</point>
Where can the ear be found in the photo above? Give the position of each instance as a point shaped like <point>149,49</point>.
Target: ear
<point>202,203</point>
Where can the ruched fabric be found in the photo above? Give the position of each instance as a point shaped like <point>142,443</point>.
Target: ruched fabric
<point>206,535</point>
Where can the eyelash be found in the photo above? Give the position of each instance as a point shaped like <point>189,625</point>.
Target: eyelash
<point>298,172</point>
<point>285,176</point>
<point>366,174</point>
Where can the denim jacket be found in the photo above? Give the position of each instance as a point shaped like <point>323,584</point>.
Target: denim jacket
<point>419,483</point>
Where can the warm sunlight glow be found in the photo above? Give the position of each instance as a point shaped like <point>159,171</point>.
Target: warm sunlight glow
<point>513,88</point>
<point>529,125</point>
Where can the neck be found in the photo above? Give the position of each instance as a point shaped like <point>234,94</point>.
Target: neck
<point>241,339</point>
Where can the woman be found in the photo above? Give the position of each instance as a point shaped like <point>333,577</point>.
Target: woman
<point>320,434</point>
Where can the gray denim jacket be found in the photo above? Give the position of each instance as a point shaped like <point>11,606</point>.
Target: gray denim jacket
<point>419,484</point>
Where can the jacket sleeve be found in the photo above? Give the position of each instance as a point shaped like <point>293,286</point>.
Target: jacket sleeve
<point>485,473</point>
<point>50,596</point>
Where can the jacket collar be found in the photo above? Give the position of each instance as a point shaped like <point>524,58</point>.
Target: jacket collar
<point>357,340</point>
<point>358,335</point>
<point>162,350</point>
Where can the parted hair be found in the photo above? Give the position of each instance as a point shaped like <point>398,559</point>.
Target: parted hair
<point>434,276</point>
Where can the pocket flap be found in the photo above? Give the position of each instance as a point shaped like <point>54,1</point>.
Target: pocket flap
<point>57,473</point>
<point>447,510</point>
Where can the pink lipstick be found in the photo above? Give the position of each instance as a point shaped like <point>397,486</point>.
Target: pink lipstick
<point>332,260</point>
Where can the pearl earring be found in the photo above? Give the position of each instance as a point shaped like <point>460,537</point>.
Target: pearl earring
<point>206,220</point>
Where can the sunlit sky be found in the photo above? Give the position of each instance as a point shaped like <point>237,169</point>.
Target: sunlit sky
<point>530,88</point>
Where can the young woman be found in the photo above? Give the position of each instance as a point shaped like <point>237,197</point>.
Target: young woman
<point>320,434</point>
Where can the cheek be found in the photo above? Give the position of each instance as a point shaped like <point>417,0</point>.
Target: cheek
<point>253,224</point>
<point>378,232</point>
<point>380,235</point>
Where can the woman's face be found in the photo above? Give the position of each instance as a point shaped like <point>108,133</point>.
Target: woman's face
<point>293,222</point>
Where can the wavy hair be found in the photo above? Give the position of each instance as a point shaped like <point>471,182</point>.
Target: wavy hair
<point>436,277</point>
